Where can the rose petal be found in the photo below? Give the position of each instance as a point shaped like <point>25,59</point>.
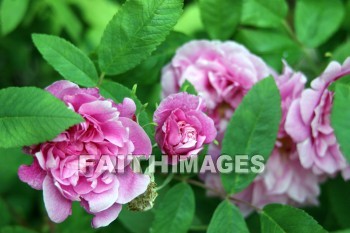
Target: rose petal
<point>57,207</point>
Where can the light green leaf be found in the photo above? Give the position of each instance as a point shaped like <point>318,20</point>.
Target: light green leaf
<point>67,59</point>
<point>191,14</point>
<point>149,71</point>
<point>176,212</point>
<point>220,17</point>
<point>227,219</point>
<point>30,115</point>
<point>317,20</point>
<point>252,130</point>
<point>342,52</point>
<point>265,14</point>
<point>135,32</point>
<point>12,13</point>
<point>286,219</point>
<point>340,116</point>
<point>188,87</point>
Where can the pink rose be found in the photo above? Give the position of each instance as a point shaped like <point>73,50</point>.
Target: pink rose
<point>221,72</point>
<point>308,123</point>
<point>182,127</point>
<point>108,132</point>
<point>284,180</point>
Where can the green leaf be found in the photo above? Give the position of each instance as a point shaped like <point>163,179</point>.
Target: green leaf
<point>265,14</point>
<point>340,116</point>
<point>338,192</point>
<point>118,92</point>
<point>342,52</point>
<point>135,32</point>
<point>176,211</point>
<point>149,71</point>
<point>227,219</point>
<point>30,115</point>
<point>286,219</point>
<point>317,20</point>
<point>189,88</point>
<point>144,220</point>
<point>342,231</point>
<point>11,160</point>
<point>12,13</point>
<point>272,45</point>
<point>4,214</point>
<point>252,130</point>
<point>220,17</point>
<point>67,59</point>
<point>80,221</point>
<point>16,229</point>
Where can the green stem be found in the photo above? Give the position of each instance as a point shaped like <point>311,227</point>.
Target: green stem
<point>307,56</point>
<point>199,228</point>
<point>100,79</point>
<point>201,185</point>
<point>166,181</point>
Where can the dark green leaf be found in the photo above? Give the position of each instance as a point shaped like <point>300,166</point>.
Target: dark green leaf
<point>80,221</point>
<point>4,214</point>
<point>262,13</point>
<point>30,115</point>
<point>227,219</point>
<point>220,17</point>
<point>11,160</point>
<point>144,220</point>
<point>272,45</point>
<point>286,219</point>
<point>12,13</point>
<point>67,59</point>
<point>338,192</point>
<point>317,20</point>
<point>252,130</point>
<point>135,32</point>
<point>16,229</point>
<point>175,214</point>
<point>340,117</point>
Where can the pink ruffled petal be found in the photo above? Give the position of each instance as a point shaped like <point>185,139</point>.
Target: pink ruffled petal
<point>138,136</point>
<point>131,185</point>
<point>101,201</point>
<point>294,124</point>
<point>32,175</point>
<point>127,108</point>
<point>104,218</point>
<point>57,207</point>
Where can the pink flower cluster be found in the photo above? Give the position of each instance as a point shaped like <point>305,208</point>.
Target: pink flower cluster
<point>306,148</point>
<point>108,130</point>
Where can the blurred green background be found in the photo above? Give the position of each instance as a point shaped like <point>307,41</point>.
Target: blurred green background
<point>269,33</point>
